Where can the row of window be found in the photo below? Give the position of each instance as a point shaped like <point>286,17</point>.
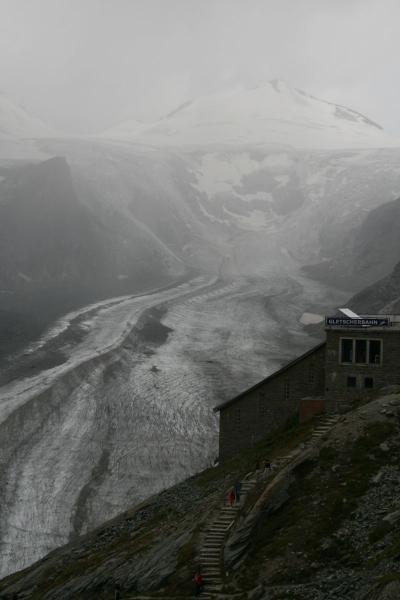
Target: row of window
<point>360,351</point>
<point>368,382</point>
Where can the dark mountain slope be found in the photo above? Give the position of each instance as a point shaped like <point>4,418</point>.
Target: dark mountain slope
<point>380,297</point>
<point>55,254</point>
<point>366,253</point>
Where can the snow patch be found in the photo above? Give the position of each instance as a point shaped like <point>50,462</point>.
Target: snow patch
<point>311,319</point>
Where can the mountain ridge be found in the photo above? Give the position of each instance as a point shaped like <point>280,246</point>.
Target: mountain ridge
<point>250,116</point>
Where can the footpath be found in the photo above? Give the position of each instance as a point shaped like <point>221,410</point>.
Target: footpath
<point>216,532</point>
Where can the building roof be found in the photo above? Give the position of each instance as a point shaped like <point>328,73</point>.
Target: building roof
<point>272,376</point>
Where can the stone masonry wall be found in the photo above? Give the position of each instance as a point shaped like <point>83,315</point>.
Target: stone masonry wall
<point>337,393</point>
<point>260,411</point>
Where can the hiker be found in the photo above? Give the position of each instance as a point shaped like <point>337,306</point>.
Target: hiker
<point>117,592</point>
<point>238,487</point>
<point>198,582</point>
<point>268,466</point>
<point>232,497</point>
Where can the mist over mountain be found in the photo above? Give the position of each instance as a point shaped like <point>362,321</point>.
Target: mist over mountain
<point>365,252</point>
<point>16,122</point>
<point>56,254</point>
<point>270,114</point>
<point>145,275</point>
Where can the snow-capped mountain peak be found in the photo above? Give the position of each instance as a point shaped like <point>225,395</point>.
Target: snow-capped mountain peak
<point>270,114</point>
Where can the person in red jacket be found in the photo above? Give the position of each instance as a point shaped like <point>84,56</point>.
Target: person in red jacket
<point>232,497</point>
<point>198,582</point>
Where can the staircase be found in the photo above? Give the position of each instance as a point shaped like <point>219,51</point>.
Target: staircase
<point>211,553</point>
<point>211,557</point>
<point>324,426</point>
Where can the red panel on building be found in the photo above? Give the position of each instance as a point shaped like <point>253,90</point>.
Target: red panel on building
<point>309,407</point>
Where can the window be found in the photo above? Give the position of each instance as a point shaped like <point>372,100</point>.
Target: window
<point>286,390</point>
<point>375,352</point>
<point>360,351</point>
<point>262,409</point>
<point>237,416</point>
<point>351,381</point>
<point>346,351</point>
<point>369,383</point>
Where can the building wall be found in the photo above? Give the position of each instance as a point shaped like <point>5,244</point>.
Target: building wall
<point>338,395</point>
<point>310,407</point>
<point>260,411</point>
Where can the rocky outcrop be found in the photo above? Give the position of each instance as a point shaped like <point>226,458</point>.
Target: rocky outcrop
<point>381,297</point>
<point>364,253</point>
<point>56,253</point>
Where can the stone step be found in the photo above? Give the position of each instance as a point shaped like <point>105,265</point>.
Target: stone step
<point>213,544</point>
<point>211,571</point>
<point>214,588</point>
<point>210,533</point>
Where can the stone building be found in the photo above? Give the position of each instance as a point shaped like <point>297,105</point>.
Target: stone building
<point>360,356</point>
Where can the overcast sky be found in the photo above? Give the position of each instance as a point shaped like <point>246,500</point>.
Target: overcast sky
<point>84,65</point>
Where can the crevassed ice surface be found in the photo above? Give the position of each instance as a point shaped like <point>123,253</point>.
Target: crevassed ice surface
<point>129,412</point>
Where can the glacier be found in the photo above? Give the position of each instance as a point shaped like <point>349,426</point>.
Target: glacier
<point>237,191</point>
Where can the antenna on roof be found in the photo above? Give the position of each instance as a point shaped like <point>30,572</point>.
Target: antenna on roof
<point>349,313</point>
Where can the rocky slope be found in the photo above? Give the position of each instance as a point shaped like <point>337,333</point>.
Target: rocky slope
<point>364,254</point>
<point>330,529</point>
<point>57,254</point>
<point>381,297</point>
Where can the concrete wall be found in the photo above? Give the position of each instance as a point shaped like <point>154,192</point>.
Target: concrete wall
<point>338,395</point>
<point>260,411</point>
